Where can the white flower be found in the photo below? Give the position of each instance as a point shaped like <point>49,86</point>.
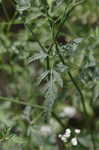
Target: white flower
<point>59,135</point>
<point>63,139</point>
<point>67,133</point>
<point>74,141</point>
<point>77,131</point>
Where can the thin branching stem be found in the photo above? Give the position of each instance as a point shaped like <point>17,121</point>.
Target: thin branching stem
<point>64,18</point>
<point>93,140</point>
<point>73,81</point>
<point>66,15</point>
<point>15,100</point>
<point>5,11</point>
<point>58,120</point>
<point>39,43</point>
<point>48,59</point>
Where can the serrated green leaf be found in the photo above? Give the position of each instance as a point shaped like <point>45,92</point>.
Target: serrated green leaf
<point>43,76</point>
<point>78,40</point>
<point>37,57</point>
<point>18,140</point>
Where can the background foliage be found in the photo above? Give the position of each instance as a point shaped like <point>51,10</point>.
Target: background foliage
<point>49,73</point>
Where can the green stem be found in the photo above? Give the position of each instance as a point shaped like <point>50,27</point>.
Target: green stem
<point>5,11</point>
<point>73,81</point>
<point>39,43</point>
<point>15,100</point>
<point>79,91</point>
<point>11,22</point>
<point>48,59</point>
<point>58,120</point>
<point>93,140</point>
<point>66,15</point>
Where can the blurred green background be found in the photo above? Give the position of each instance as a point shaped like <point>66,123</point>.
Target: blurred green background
<point>22,113</point>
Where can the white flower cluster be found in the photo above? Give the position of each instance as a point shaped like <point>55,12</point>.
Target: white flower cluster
<point>66,137</point>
